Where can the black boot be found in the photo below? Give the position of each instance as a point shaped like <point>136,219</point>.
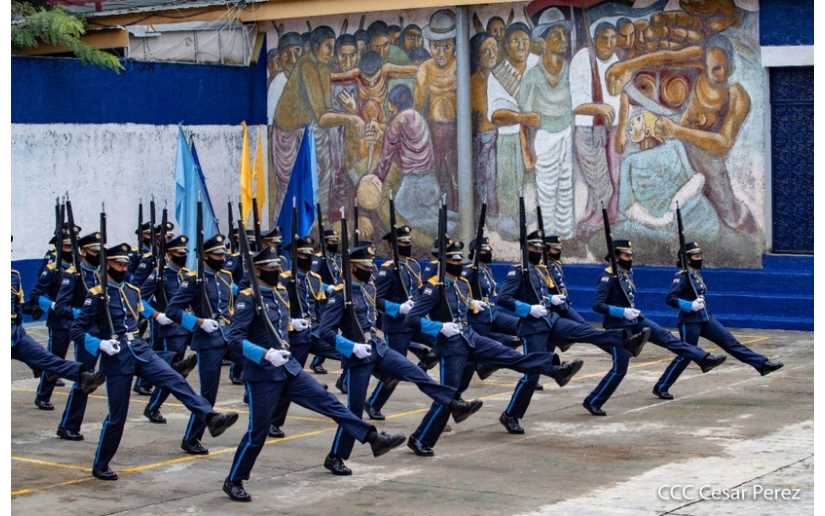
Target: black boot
<point>374,413</point>
<point>419,448</point>
<point>566,371</point>
<point>484,371</point>
<point>235,491</point>
<point>510,424</point>
<point>593,409</point>
<point>711,361</point>
<point>382,442</point>
<point>154,416</point>
<point>336,466</point>
<point>276,432</point>
<point>104,474</point>
<point>662,395</point>
<point>217,423</point>
<point>43,405</point>
<point>539,387</point>
<point>194,447</point>
<point>91,381</point>
<point>140,389</point>
<point>564,345</point>
<point>770,366</point>
<point>461,409</point>
<point>633,344</point>
<point>318,368</point>
<point>69,435</point>
<point>185,365</point>
<point>341,385</point>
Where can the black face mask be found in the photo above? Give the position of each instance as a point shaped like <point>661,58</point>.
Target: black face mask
<point>215,265</point>
<point>270,277</point>
<point>363,275</point>
<point>485,256</point>
<point>117,276</point>
<point>332,248</point>
<point>405,250</point>
<point>625,264</point>
<point>454,268</point>
<point>556,255</point>
<point>696,264</point>
<point>180,261</point>
<point>92,259</point>
<point>304,262</point>
<point>534,257</point>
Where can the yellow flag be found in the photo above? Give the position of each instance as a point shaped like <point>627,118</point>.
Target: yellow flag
<point>258,172</point>
<point>246,175</point>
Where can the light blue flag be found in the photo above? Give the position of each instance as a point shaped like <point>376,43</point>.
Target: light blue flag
<point>190,185</point>
<point>302,188</point>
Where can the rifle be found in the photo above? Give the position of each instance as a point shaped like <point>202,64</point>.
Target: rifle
<point>612,254</point>
<point>160,289</point>
<point>72,234</point>
<point>527,292</point>
<point>259,243</point>
<point>325,271</point>
<point>104,272</point>
<point>394,294</point>
<point>350,327</point>
<point>475,285</point>
<point>140,227</point>
<point>58,232</point>
<point>152,235</point>
<point>232,246</point>
<point>442,312</point>
<point>683,261</point>
<point>540,220</point>
<point>260,307</point>
<point>199,249</point>
<point>295,309</point>
<point>356,235</point>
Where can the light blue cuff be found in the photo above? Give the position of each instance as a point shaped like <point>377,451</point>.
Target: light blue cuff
<point>253,352</point>
<point>522,309</point>
<point>391,308</point>
<point>148,310</point>
<point>44,303</point>
<point>92,344</point>
<point>685,306</point>
<point>344,345</point>
<point>235,289</point>
<point>76,313</point>
<point>615,311</point>
<point>189,321</point>
<point>327,288</point>
<point>431,328</point>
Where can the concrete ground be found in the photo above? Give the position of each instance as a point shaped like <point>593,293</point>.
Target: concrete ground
<point>728,444</point>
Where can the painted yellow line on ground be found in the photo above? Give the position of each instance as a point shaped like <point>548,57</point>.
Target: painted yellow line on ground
<point>40,462</point>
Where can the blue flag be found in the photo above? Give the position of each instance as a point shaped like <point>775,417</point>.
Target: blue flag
<point>302,188</point>
<point>190,186</point>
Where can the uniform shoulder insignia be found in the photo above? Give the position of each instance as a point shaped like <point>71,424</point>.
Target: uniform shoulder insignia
<point>286,274</point>
<point>387,264</point>
<point>225,272</point>
<point>339,287</point>
<point>134,249</point>
<point>51,266</point>
<point>185,271</point>
<point>608,270</point>
<point>71,270</point>
<point>147,255</point>
<point>247,291</point>
<point>433,280</point>
<point>96,290</point>
<point>133,287</point>
<point>190,274</point>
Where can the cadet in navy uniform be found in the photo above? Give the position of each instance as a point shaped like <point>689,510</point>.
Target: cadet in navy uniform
<point>234,263</point>
<point>615,298</point>
<point>171,339</point>
<point>126,355</point>
<point>204,309</point>
<point>329,267</point>
<point>31,353</point>
<point>457,343</point>
<point>398,335</point>
<point>147,263</point>
<point>362,359</point>
<point>42,300</point>
<point>687,294</point>
<point>492,321</point>
<point>137,254</point>
<point>73,291</point>
<point>541,328</point>
<point>312,296</point>
<point>270,373</point>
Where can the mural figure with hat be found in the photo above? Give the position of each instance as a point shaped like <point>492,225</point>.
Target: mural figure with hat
<point>688,294</point>
<point>483,58</point>
<point>125,355</point>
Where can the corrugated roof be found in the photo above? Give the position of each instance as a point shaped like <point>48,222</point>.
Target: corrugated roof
<point>113,7</point>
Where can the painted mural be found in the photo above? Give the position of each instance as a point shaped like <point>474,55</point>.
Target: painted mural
<point>636,106</point>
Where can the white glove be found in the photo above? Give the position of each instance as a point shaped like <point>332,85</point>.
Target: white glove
<point>698,304</point>
<point>277,357</point>
<point>538,311</point>
<point>299,324</point>
<point>631,313</point>
<point>450,329</point>
<point>557,299</point>
<point>361,350</point>
<point>51,307</point>
<point>479,306</point>
<point>163,320</point>
<point>110,346</point>
<point>209,325</point>
<point>406,306</point>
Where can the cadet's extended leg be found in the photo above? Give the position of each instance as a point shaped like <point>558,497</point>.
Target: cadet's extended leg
<point>118,389</point>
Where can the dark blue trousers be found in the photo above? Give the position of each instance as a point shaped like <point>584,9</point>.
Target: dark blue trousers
<point>719,335</point>
<point>392,365</point>
<point>400,342</point>
<point>662,337</point>
<point>209,373</point>
<point>28,351</point>
<point>174,349</point>
<point>118,389</point>
<point>75,408</point>
<point>453,368</point>
<point>306,392</point>
<point>58,346</point>
<point>501,326</point>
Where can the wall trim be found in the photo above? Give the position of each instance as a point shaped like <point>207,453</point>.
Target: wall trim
<point>787,55</point>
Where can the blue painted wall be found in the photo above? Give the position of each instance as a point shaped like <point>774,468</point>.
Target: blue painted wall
<point>786,22</point>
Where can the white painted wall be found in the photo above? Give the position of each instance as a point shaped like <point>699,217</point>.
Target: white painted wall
<point>115,163</point>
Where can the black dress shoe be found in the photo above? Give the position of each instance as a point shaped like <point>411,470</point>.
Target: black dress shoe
<point>69,435</point>
<point>428,360</point>
<point>276,432</point>
<point>593,409</point>
<point>185,365</point>
<point>154,416</point>
<point>36,373</point>
<point>510,424</point>
<point>59,383</point>
<point>384,442</point>
<point>235,491</point>
<point>104,474</point>
<point>484,371</point>
<point>539,387</point>
<point>43,405</point>
<point>225,362</point>
<point>217,423</point>
<point>564,346</point>
<point>91,381</point>
<point>51,378</point>
<point>374,413</point>
<point>194,447</point>
<point>318,368</point>
<point>711,361</point>
<point>143,391</point>
<point>461,409</point>
<point>235,381</point>
<point>769,367</point>
<point>635,343</point>
<point>662,395</point>
<point>566,371</point>
<point>418,448</point>
<point>340,385</point>
<point>336,466</point>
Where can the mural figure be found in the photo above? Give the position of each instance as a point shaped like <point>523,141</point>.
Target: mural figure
<point>483,57</point>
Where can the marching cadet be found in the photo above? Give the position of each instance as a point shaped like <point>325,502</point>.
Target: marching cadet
<point>124,355</point>
<point>362,359</point>
<point>687,294</point>
<point>616,300</point>
<point>42,300</point>
<point>329,267</point>
<point>137,254</point>
<point>556,270</point>
<point>541,328</point>
<point>171,339</point>
<point>271,372</point>
<point>312,299</point>
<point>234,263</point>
<point>397,334</point>
<point>73,291</point>
<point>203,309</point>
<point>457,343</point>
<point>492,321</point>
